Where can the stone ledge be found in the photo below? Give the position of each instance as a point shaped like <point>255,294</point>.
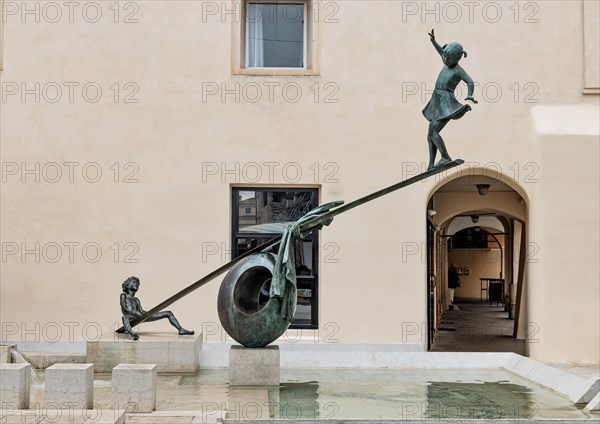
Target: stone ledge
<point>362,356</point>
<point>594,404</point>
<point>171,352</point>
<point>561,382</point>
<point>587,392</point>
<point>43,360</point>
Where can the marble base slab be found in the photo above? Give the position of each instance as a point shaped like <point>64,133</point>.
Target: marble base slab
<point>62,416</point>
<point>171,352</point>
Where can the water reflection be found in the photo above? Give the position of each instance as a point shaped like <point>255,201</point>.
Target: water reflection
<point>485,400</point>
<point>299,400</point>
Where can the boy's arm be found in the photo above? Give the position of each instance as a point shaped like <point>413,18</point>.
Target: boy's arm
<point>438,48</point>
<point>125,304</point>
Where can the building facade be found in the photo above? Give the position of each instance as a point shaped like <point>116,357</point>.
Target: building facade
<point>142,138</point>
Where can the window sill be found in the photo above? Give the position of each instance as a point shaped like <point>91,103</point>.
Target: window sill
<point>276,72</point>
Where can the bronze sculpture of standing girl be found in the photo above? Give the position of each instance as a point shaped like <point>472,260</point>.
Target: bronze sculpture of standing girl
<point>443,105</point>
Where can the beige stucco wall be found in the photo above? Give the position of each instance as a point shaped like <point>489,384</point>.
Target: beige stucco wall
<point>373,55</point>
<point>481,263</point>
<point>566,275</point>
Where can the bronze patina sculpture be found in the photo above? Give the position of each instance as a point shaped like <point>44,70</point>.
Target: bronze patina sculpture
<point>443,105</point>
<point>257,298</point>
<point>131,308</point>
<point>243,314</point>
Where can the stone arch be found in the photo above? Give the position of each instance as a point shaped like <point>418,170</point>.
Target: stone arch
<point>490,173</point>
<point>455,194</point>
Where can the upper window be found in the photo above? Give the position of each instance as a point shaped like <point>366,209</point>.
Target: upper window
<point>278,37</point>
<point>275,35</point>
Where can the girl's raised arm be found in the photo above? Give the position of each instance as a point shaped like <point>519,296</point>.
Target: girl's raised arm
<point>435,43</point>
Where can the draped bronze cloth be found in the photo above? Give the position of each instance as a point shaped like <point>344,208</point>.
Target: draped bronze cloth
<point>283,284</point>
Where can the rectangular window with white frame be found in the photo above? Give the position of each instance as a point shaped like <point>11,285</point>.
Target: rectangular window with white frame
<point>276,35</point>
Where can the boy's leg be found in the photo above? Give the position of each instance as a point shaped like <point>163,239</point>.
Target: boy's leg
<point>169,315</point>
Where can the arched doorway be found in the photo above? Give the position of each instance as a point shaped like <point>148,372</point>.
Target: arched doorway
<point>476,224</point>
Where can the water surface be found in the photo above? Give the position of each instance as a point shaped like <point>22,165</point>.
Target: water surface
<point>356,394</point>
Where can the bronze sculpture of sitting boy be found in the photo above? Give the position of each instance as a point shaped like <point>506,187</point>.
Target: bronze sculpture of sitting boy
<point>132,309</point>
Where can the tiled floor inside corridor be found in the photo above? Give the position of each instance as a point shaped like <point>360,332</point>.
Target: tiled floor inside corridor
<point>477,327</point>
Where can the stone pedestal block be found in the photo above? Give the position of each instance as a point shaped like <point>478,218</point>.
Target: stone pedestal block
<point>5,354</point>
<point>70,386</point>
<point>171,352</point>
<point>134,387</point>
<point>14,386</point>
<point>254,367</point>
